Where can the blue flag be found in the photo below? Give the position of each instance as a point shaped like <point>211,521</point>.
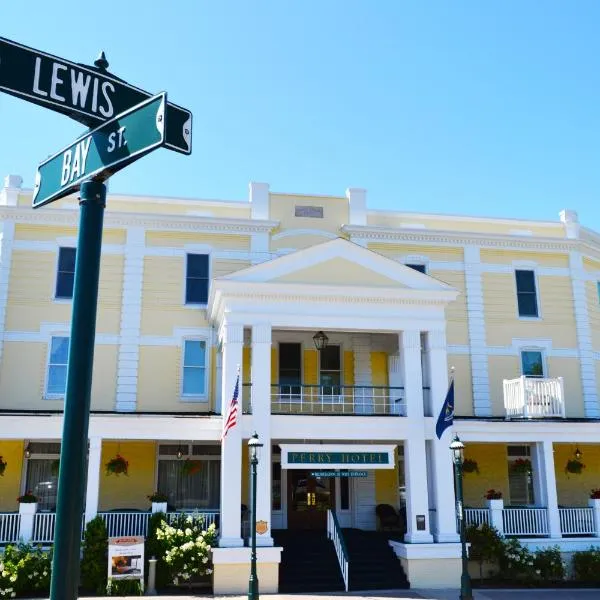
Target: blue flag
<point>446,417</point>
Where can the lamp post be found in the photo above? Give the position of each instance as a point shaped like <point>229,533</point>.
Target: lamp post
<point>254,446</point>
<point>457,448</point>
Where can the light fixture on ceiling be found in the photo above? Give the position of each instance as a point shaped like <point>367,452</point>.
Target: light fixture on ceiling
<point>179,452</point>
<point>27,451</point>
<point>320,340</point>
<point>578,453</point>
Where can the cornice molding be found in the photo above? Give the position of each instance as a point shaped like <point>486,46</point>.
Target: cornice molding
<point>21,214</point>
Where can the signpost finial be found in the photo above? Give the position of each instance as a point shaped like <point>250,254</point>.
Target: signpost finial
<point>101,61</point>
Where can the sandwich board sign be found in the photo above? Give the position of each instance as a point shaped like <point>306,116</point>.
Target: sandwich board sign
<point>103,151</point>
<point>126,558</point>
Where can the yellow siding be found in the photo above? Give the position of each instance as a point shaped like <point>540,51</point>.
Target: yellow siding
<point>493,472</point>
<point>386,487</point>
<point>43,233</point>
<point>128,491</point>
<point>159,383</point>
<point>11,453</point>
<point>463,389</point>
<point>570,370</point>
<point>274,365</point>
<point>221,267</point>
<point>189,208</point>
<point>298,242</point>
<point>557,311</point>
<point>109,294</point>
<point>311,369</point>
<point>163,306</point>
<point>104,377</point>
<point>593,304</point>
<point>441,254</point>
<point>457,328</point>
<point>247,362</point>
<point>506,257</point>
<point>379,368</point>
<point>339,271</point>
<point>178,239</point>
<point>590,264</point>
<point>572,489</point>
<point>335,212</point>
<point>348,367</point>
<point>500,368</point>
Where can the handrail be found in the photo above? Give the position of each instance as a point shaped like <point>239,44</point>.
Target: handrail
<point>334,533</point>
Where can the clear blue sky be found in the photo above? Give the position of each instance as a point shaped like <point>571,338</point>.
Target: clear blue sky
<point>467,107</point>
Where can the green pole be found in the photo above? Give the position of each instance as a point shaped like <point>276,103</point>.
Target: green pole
<point>253,583</point>
<point>73,452</point>
<point>466,592</point>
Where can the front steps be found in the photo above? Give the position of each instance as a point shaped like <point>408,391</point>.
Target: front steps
<point>309,563</point>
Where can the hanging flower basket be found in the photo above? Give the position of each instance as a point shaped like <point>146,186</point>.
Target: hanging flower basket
<point>55,467</point>
<point>117,466</point>
<point>3,464</point>
<point>595,494</point>
<point>574,466</point>
<point>521,465</point>
<point>493,495</point>
<point>190,467</point>
<point>470,466</point>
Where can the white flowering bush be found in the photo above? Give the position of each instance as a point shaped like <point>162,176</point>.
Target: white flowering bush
<point>187,545</point>
<point>517,562</point>
<point>24,570</point>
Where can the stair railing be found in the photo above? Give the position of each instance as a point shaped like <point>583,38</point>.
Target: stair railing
<point>334,533</point>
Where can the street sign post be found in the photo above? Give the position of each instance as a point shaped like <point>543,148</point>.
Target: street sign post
<point>105,150</point>
<point>89,95</point>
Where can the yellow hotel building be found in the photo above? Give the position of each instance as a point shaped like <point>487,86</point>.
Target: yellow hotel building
<point>345,322</point>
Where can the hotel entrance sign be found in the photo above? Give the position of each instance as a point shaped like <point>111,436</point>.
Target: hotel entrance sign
<point>337,456</point>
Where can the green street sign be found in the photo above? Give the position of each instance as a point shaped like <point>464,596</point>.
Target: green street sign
<point>87,94</point>
<point>101,152</point>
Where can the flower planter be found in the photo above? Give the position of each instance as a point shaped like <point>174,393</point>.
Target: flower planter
<point>27,508</point>
<point>495,504</point>
<point>159,507</point>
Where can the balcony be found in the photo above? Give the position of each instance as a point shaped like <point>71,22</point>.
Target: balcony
<point>534,398</point>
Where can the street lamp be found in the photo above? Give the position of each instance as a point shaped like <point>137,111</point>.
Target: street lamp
<point>320,340</point>
<point>254,446</point>
<point>457,448</point>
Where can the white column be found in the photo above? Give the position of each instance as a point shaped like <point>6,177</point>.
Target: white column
<point>357,204</point>
<point>547,476</point>
<point>131,317</point>
<point>232,340</point>
<point>477,338</point>
<point>443,479</point>
<point>415,463</point>
<point>261,418</point>
<point>584,336</point>
<point>93,479</point>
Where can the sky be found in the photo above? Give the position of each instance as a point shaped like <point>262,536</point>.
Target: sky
<point>472,108</point>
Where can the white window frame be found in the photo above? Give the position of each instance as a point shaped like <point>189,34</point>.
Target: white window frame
<point>55,298</point>
<point>207,349</point>
<point>332,400</point>
<point>542,352</point>
<point>206,252</point>
<point>48,395</point>
<point>527,267</point>
<point>529,457</point>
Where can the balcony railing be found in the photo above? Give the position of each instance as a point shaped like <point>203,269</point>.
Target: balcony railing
<point>337,400</point>
<point>10,524</point>
<point>533,397</point>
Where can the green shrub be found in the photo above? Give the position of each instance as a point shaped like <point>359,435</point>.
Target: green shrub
<point>124,587</point>
<point>95,556</point>
<point>586,565</point>
<point>157,548</point>
<point>549,564</point>
<point>517,562</point>
<point>486,545</point>
<point>24,570</point>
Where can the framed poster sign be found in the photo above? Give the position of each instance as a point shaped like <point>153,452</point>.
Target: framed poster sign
<point>126,557</point>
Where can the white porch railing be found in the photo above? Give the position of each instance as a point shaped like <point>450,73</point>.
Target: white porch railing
<point>337,400</point>
<point>43,528</point>
<point>10,524</point>
<point>533,397</point>
<point>334,533</point>
<point>210,517</point>
<point>576,521</point>
<point>525,521</point>
<point>125,523</point>
<point>477,516</point>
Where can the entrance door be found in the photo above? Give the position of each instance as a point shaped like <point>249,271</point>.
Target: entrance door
<point>308,499</point>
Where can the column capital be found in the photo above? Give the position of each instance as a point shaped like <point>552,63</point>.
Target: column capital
<point>231,333</point>
<point>261,333</point>
<point>436,340</point>
<point>411,339</point>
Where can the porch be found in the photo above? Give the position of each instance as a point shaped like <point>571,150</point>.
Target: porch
<point>534,397</point>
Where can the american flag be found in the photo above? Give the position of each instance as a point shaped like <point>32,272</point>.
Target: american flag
<point>231,418</point>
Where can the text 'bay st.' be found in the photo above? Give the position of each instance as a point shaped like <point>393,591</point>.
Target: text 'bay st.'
<point>88,95</point>
<point>103,151</point>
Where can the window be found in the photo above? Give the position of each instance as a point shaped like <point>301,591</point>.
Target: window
<point>196,279</point>
<point>192,481</point>
<point>276,491</point>
<point>520,480</point>
<point>41,473</point>
<point>57,366</point>
<point>416,267</point>
<point>65,276</point>
<point>526,294</point>
<point>290,371</point>
<point>532,363</point>
<point>194,368</point>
